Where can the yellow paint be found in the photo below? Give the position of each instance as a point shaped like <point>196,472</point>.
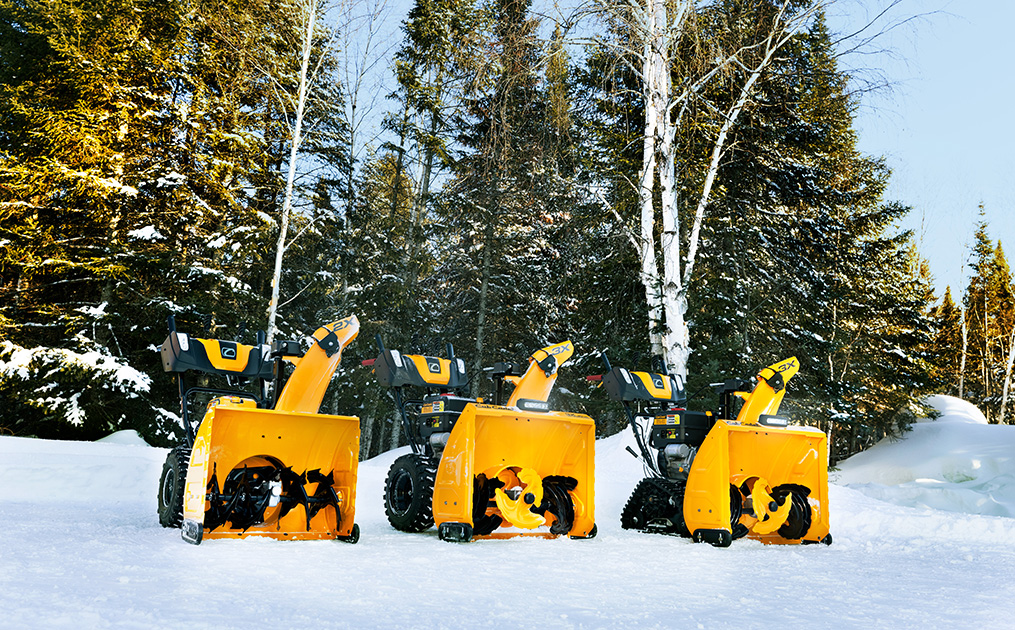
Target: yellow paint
<point>518,511</point>
<point>743,451</point>
<point>535,384</point>
<point>234,433</point>
<point>213,349</point>
<point>305,388</point>
<point>487,437</point>
<point>422,363</point>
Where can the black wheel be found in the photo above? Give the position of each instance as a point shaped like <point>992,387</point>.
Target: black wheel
<point>656,505</point>
<point>408,493</point>
<point>174,477</point>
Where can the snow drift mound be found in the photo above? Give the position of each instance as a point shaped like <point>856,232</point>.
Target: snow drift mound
<point>119,468</point>
<point>956,462</point>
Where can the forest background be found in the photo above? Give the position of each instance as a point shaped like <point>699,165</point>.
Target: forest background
<point>522,183</point>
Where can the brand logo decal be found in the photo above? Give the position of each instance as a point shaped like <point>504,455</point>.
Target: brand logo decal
<point>561,348</point>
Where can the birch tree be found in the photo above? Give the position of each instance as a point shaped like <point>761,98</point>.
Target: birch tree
<point>314,88</point>
<point>1007,376</point>
<point>656,29</point>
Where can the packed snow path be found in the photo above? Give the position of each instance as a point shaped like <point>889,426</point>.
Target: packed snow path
<point>82,548</point>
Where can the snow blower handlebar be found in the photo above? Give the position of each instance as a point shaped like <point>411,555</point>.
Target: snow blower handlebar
<point>398,371</point>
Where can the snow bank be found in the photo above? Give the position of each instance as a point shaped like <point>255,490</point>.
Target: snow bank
<point>956,462</point>
<point>122,469</point>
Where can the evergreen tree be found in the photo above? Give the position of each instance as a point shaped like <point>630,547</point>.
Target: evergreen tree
<point>502,203</point>
<point>990,314</point>
<point>804,263</point>
<point>134,183</point>
<point>946,344</point>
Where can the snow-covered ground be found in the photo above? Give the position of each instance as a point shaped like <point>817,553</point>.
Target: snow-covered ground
<point>81,547</point>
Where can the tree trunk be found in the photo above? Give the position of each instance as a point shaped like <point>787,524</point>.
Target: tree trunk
<point>659,25</point>
<point>965,344</point>
<point>655,83</point>
<point>366,435</point>
<point>419,204</point>
<point>1007,376</point>
<point>276,279</point>
<point>396,432</point>
<point>477,367</point>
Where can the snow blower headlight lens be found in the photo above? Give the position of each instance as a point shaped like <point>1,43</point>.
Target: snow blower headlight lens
<point>773,421</point>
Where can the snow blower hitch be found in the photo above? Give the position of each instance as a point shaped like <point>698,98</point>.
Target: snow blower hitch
<point>487,470</point>
<point>265,463</point>
<point>715,479</point>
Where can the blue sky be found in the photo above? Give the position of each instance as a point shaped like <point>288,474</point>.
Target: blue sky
<point>945,125</point>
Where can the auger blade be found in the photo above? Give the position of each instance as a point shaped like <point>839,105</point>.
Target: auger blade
<point>324,496</point>
<point>483,491</point>
<point>293,491</point>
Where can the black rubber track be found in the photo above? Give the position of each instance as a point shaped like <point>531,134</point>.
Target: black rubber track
<point>408,493</point>
<point>174,477</point>
<point>657,506</point>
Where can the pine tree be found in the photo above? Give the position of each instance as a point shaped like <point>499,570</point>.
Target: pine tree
<point>502,202</point>
<point>946,343</point>
<point>990,314</point>
<point>138,171</point>
<point>802,260</point>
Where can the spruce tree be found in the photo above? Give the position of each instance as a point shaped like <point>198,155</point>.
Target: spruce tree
<point>138,171</point>
<point>990,312</point>
<point>946,343</point>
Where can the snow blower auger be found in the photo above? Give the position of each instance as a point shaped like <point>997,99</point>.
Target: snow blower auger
<point>265,464</point>
<point>715,479</point>
<point>482,470</point>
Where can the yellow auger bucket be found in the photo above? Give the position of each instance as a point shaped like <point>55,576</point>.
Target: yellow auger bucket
<point>534,456</point>
<point>758,473</point>
<point>482,470</point>
<point>525,451</point>
<point>286,472</point>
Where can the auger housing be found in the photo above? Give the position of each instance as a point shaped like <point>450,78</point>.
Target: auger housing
<point>264,462</point>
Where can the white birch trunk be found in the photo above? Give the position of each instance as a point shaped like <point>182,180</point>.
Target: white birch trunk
<point>651,62</point>
<point>965,345</point>
<point>676,346</point>
<point>1007,376</point>
<point>658,26</point>
<point>310,13</point>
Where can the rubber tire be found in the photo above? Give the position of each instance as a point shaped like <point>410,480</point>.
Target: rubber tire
<point>171,485</point>
<point>408,493</point>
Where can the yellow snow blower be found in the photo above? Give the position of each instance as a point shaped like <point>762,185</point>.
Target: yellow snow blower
<point>265,464</point>
<point>487,470</point>
<point>715,479</point>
